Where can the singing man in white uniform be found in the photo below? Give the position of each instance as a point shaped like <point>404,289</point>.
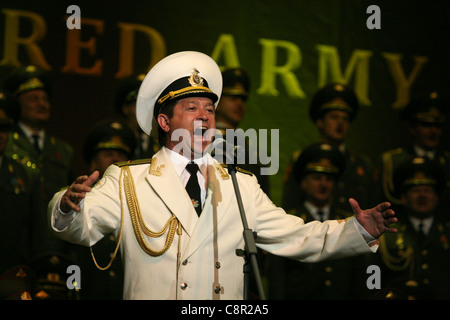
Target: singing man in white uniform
<point>176,215</point>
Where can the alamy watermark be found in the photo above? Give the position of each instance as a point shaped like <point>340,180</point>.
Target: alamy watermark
<point>74,20</point>
<point>374,280</point>
<point>374,21</point>
<point>74,280</point>
<point>236,146</point>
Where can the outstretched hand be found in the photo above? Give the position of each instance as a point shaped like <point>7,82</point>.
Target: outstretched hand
<point>77,191</point>
<point>375,221</point>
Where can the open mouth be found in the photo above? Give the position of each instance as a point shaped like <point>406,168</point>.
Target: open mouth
<point>200,131</point>
<point>339,129</point>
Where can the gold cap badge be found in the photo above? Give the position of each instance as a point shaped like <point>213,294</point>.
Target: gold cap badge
<point>195,80</point>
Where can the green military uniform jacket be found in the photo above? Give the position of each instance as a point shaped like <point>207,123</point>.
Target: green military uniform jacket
<point>54,165</point>
<point>422,267</point>
<point>20,228</point>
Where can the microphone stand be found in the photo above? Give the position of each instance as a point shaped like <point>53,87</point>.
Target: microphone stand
<point>250,251</point>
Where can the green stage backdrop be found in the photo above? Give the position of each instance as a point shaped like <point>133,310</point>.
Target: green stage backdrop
<point>290,48</point>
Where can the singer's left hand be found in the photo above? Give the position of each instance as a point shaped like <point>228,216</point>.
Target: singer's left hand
<point>375,221</point>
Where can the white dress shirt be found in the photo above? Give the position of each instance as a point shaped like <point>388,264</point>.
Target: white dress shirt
<point>179,163</point>
<point>426,223</point>
<point>313,210</point>
<point>424,153</point>
<point>29,134</point>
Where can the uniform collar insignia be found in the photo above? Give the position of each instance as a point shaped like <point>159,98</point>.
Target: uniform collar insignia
<point>154,168</point>
<point>222,172</point>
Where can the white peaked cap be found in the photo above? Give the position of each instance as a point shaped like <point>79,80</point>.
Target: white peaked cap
<point>179,75</point>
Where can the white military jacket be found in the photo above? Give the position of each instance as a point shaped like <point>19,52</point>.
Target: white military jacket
<point>200,261</point>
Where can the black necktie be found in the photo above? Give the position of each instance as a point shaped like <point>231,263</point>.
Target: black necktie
<point>36,143</point>
<point>421,233</point>
<point>320,213</point>
<point>193,187</point>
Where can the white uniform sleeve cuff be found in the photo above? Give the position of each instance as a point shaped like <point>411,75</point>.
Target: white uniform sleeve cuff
<point>367,237</point>
<point>61,220</point>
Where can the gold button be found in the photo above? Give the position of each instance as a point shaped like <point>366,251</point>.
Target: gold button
<point>328,283</point>
<point>329,269</point>
<point>183,286</point>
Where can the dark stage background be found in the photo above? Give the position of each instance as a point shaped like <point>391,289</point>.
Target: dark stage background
<point>289,48</point>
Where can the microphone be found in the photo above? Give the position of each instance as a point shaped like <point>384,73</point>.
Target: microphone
<point>233,153</point>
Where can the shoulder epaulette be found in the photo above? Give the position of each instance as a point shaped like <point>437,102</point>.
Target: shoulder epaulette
<point>244,171</point>
<point>239,169</point>
<point>133,162</point>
